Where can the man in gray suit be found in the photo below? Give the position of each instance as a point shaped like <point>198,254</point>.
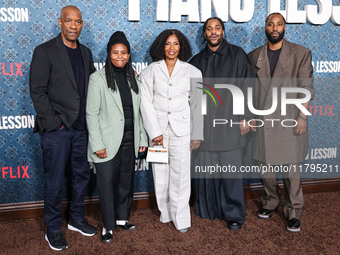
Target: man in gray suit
<point>280,64</point>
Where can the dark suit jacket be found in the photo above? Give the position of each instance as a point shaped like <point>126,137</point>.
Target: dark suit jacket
<point>278,144</point>
<point>53,86</point>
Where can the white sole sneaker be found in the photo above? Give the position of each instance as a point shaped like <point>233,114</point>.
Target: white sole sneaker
<point>70,227</point>
<point>261,216</point>
<point>53,248</point>
<point>294,230</point>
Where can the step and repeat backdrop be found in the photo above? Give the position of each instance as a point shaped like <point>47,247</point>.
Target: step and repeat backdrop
<point>25,24</point>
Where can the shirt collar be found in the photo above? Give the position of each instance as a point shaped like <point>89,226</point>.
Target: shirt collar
<point>222,50</point>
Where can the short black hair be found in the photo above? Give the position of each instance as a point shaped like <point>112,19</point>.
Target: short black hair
<point>157,48</point>
<point>275,13</point>
<point>217,18</point>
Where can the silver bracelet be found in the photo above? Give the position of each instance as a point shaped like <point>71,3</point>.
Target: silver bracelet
<point>304,119</point>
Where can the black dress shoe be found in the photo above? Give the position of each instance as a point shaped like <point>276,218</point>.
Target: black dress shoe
<point>128,226</point>
<point>234,225</point>
<point>264,213</point>
<point>294,225</point>
<point>108,237</point>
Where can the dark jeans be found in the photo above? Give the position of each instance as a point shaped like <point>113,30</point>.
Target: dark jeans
<point>58,147</point>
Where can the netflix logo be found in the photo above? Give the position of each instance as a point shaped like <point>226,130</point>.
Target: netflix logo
<point>321,110</point>
<point>13,69</point>
<point>16,172</point>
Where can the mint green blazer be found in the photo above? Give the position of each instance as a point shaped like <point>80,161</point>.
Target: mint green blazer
<point>105,119</point>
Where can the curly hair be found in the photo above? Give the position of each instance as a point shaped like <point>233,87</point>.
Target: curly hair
<point>111,77</point>
<point>157,48</point>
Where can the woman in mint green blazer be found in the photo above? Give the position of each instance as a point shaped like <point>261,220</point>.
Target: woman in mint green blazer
<point>116,133</point>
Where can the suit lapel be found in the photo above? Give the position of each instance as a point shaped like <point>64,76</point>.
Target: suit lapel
<point>279,72</point>
<point>114,94</point>
<point>163,67</point>
<point>135,103</point>
<point>62,53</point>
<point>264,70</point>
<point>86,67</point>
<point>177,67</point>
<point>282,62</point>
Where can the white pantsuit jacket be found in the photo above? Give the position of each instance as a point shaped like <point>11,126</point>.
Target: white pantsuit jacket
<point>171,100</point>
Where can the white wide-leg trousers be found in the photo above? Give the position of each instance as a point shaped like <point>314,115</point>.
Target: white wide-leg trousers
<point>172,181</point>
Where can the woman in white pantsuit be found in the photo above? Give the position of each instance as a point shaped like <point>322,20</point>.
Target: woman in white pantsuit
<point>171,112</point>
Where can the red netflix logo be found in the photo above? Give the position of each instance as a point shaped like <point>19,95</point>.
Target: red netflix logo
<point>19,172</point>
<point>13,69</point>
<point>321,110</point>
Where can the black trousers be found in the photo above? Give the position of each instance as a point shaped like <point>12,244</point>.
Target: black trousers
<point>115,180</point>
<point>221,197</point>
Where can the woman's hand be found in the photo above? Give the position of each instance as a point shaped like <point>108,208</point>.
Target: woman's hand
<point>142,149</point>
<point>101,153</point>
<point>158,140</point>
<point>194,144</point>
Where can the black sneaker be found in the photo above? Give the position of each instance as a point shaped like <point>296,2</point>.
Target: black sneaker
<point>128,226</point>
<point>294,225</point>
<point>107,236</point>
<point>82,227</point>
<point>264,213</point>
<point>234,225</point>
<point>56,241</point>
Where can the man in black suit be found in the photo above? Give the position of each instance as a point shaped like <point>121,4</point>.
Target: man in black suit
<point>59,75</point>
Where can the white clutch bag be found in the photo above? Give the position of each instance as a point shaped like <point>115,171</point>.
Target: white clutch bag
<point>157,154</point>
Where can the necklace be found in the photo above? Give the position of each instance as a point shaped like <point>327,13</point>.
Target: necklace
<point>170,67</point>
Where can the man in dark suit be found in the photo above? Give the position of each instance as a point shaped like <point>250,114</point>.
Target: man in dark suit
<point>280,64</point>
<point>59,77</point>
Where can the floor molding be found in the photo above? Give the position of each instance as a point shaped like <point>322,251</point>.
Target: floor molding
<point>35,209</point>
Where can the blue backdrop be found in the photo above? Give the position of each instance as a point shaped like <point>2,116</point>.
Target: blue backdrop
<point>28,23</point>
